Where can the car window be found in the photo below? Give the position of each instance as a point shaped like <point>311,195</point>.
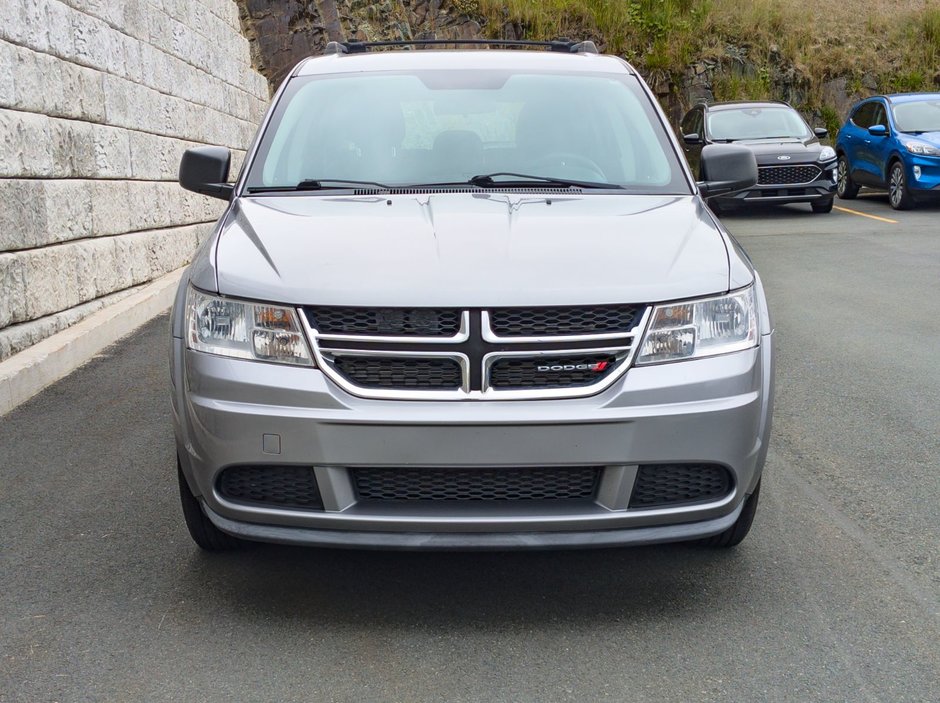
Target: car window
<point>918,116</point>
<point>880,118</point>
<point>750,122</point>
<point>446,126</point>
<point>864,115</point>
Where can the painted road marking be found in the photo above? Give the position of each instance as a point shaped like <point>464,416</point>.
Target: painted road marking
<point>865,214</point>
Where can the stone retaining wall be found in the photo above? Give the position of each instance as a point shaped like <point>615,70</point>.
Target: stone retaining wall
<point>98,100</point>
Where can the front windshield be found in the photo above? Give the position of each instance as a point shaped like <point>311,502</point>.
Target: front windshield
<point>437,126</point>
<point>918,116</point>
<point>756,123</point>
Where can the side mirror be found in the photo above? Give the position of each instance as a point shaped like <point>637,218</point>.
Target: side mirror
<point>726,169</point>
<point>204,169</point>
<point>692,139</point>
<point>821,132</point>
<point>878,130</point>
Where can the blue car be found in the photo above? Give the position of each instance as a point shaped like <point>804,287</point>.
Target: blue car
<point>892,142</point>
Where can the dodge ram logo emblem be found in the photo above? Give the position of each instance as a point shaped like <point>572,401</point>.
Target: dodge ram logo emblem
<point>555,368</point>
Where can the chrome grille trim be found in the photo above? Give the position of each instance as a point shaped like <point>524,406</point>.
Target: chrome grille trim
<point>622,353</point>
<point>462,335</point>
<point>388,393</point>
<point>327,347</point>
<point>490,336</point>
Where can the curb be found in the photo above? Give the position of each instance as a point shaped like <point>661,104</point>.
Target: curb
<point>24,374</point>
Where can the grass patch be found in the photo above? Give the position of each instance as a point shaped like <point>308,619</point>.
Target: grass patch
<point>893,43</point>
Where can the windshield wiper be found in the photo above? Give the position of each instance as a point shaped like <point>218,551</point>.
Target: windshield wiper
<point>753,139</point>
<point>316,184</point>
<point>482,181</point>
<point>488,180</point>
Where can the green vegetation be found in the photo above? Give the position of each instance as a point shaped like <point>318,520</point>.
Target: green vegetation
<point>759,46</point>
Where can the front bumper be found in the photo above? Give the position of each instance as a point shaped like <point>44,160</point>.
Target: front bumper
<point>822,188</point>
<point>714,410</point>
<point>923,174</point>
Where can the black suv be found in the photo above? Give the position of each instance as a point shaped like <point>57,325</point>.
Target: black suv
<point>793,167</point>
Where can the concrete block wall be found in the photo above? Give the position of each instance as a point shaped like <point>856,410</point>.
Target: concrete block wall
<point>98,101</point>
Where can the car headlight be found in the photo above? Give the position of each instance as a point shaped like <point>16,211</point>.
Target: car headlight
<point>827,154</point>
<point>699,328</point>
<point>922,148</point>
<point>244,330</point>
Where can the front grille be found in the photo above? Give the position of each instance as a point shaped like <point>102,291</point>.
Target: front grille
<point>548,322</point>
<point>405,322</point>
<point>452,353</point>
<point>787,175</point>
<point>483,484</point>
<point>661,485</point>
<point>275,486</point>
<point>394,372</point>
<point>550,372</point>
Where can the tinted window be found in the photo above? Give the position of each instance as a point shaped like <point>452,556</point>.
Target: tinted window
<point>864,116</point>
<point>446,126</point>
<point>880,116</point>
<point>692,124</point>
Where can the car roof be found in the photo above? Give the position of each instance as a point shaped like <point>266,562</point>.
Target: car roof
<point>513,59</point>
<point>738,104</point>
<point>910,97</point>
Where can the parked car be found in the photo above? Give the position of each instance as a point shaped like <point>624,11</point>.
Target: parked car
<point>793,166</point>
<point>892,142</point>
<point>469,299</point>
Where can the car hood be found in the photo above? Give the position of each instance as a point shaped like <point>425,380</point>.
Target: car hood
<point>797,151</point>
<point>932,138</point>
<point>470,249</point>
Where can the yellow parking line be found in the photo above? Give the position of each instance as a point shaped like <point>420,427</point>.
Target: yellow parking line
<point>865,214</point>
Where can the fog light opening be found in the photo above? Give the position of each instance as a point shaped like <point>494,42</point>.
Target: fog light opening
<point>917,172</point>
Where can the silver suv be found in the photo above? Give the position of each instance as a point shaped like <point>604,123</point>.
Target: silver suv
<point>469,299</point>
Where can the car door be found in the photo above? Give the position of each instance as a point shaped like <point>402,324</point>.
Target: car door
<point>852,138</point>
<point>879,148</point>
<point>869,160</point>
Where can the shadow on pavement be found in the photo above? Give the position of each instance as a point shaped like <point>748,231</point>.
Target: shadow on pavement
<point>453,589</point>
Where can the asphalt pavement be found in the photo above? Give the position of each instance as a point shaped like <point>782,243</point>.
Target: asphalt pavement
<point>835,595</point>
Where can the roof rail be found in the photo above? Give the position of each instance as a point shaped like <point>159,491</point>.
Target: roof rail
<point>561,45</point>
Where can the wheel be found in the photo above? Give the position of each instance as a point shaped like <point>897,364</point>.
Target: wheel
<point>822,206</point>
<point>845,186</point>
<point>898,194</point>
<point>201,529</point>
<point>735,534</point>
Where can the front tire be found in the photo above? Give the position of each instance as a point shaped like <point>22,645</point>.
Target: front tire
<point>822,206</point>
<point>898,194</point>
<point>735,534</point>
<point>845,186</point>
<point>204,533</point>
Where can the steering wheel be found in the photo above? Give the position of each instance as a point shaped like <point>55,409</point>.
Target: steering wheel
<point>571,165</point>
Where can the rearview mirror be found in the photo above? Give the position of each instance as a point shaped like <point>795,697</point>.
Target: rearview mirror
<point>692,139</point>
<point>878,130</point>
<point>821,132</point>
<point>726,169</point>
<point>204,169</point>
